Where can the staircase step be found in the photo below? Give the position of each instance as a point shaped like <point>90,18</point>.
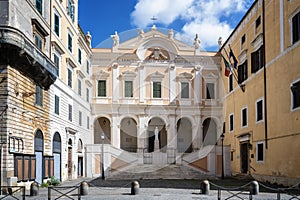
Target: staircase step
<point>139,171</point>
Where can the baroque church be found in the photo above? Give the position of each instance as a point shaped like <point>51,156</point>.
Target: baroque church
<point>156,101</point>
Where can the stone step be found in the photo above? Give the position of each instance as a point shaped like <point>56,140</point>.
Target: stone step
<point>139,171</point>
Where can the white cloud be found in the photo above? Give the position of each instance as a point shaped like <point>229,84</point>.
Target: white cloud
<point>209,18</point>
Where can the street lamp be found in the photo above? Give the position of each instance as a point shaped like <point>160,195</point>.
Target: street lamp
<point>102,157</point>
<point>222,140</point>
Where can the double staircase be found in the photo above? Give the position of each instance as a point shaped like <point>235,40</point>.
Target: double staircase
<point>148,171</point>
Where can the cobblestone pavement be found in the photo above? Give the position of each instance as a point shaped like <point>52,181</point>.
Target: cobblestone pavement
<point>153,189</point>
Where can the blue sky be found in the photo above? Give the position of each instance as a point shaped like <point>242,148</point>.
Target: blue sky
<point>210,19</point>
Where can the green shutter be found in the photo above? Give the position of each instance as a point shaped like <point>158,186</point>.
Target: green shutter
<point>128,89</point>
<point>156,90</point>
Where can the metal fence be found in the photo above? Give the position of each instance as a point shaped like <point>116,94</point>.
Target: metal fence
<point>15,192</point>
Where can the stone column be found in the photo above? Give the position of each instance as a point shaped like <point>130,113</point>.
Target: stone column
<point>172,139</point>
<point>172,84</point>
<point>142,86</point>
<point>197,133</point>
<point>115,83</point>
<point>197,84</point>
<point>115,132</point>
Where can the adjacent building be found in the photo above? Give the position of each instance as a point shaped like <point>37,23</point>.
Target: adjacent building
<point>45,91</point>
<point>27,73</point>
<point>261,96</point>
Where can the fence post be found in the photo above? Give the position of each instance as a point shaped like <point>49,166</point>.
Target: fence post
<point>204,186</point>
<point>49,193</point>
<point>23,192</point>
<point>219,194</point>
<point>278,195</point>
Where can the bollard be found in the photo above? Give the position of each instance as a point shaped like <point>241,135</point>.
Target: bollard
<point>84,188</point>
<point>135,186</point>
<point>254,188</point>
<point>34,189</point>
<point>204,186</point>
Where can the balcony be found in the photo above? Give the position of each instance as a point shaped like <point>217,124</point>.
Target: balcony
<point>21,53</point>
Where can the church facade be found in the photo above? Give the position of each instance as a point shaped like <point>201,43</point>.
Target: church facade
<point>156,100</point>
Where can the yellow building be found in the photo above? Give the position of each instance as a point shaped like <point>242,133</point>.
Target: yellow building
<point>262,122</point>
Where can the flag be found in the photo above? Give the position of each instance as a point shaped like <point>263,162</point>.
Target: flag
<point>235,62</point>
<point>227,67</point>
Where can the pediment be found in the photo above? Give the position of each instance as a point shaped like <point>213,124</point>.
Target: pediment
<point>211,76</point>
<point>157,75</point>
<point>128,74</point>
<point>185,76</point>
<point>101,75</point>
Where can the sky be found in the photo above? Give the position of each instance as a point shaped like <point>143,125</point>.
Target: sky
<point>210,19</point>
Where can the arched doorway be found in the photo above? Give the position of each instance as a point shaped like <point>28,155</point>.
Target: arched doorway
<point>56,152</point>
<point>184,136</point>
<point>102,126</point>
<point>39,151</point>
<point>128,133</point>
<point>209,132</point>
<point>157,123</point>
<point>80,158</point>
<point>70,167</point>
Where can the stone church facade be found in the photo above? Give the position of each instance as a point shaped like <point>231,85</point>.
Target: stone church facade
<point>156,100</point>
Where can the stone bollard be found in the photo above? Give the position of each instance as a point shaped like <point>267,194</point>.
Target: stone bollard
<point>204,186</point>
<point>34,189</point>
<point>135,186</point>
<point>84,188</point>
<point>254,188</point>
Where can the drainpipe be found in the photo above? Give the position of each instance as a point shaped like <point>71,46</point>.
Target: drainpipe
<point>265,76</point>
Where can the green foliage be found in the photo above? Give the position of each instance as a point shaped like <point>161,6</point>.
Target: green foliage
<point>44,185</point>
<point>53,181</point>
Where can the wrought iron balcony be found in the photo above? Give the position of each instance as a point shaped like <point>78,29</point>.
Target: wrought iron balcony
<point>21,53</point>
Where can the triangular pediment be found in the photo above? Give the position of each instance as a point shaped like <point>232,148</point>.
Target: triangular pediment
<point>185,75</point>
<point>157,75</point>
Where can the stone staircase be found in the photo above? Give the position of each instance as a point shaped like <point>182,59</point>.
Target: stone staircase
<point>147,171</point>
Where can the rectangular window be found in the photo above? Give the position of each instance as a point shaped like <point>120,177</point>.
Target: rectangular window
<point>79,87</point>
<point>257,22</point>
<point>257,60</point>
<point>87,67</point>
<point>87,95</point>
<point>244,117</point>
<point>243,39</point>
<point>296,28</point>
<point>56,61</point>
<point>56,24</point>
<point>295,88</point>
<point>259,110</point>
<point>70,112</point>
<point>260,152</point>
<point>156,89</point>
<point>80,118</point>
<point>38,96</point>
<point>88,122</point>
<point>71,10</point>
<point>210,91</point>
<point>79,56</point>
<point>70,42</point>
<point>231,122</point>
<point>185,90</point>
<point>39,6</point>
<point>242,72</point>
<point>38,41</point>
<point>70,75</point>
<point>128,89</point>
<point>101,88</point>
<point>56,107</point>
<point>230,83</point>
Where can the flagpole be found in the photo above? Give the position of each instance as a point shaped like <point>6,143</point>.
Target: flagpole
<point>242,86</point>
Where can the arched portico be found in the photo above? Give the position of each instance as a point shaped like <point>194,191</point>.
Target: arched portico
<point>159,124</point>
<point>102,125</point>
<point>128,132</point>
<point>184,136</point>
<point>209,132</point>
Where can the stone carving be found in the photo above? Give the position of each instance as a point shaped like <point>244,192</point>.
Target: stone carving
<point>196,42</point>
<point>115,38</point>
